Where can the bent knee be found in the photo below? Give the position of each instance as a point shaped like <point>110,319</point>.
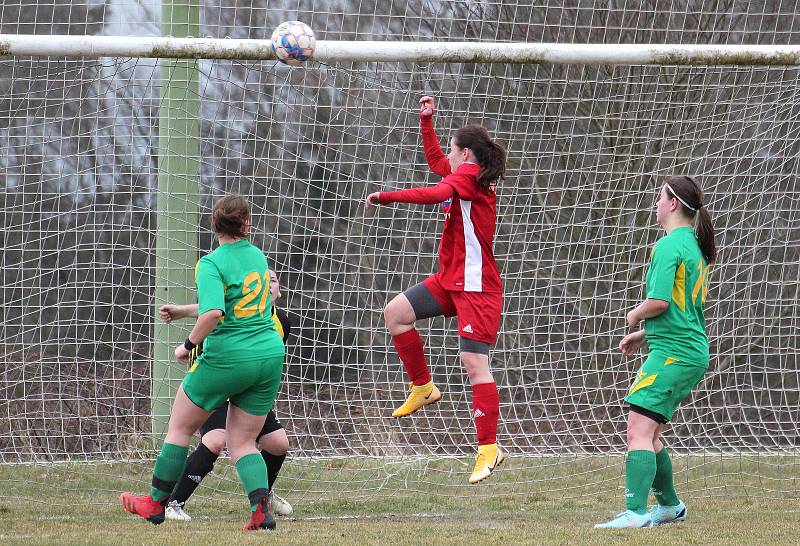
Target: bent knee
<point>276,443</point>
<point>398,312</point>
<point>214,440</point>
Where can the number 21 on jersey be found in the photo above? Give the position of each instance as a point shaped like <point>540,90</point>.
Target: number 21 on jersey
<point>253,287</point>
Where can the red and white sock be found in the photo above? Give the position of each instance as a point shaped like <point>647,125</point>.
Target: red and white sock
<point>409,348</point>
<point>486,409</point>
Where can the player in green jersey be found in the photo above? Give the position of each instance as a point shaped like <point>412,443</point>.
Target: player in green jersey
<point>674,336</point>
<point>242,361</point>
<point>271,440</point>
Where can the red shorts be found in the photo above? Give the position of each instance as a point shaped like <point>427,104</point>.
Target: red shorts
<point>478,312</point>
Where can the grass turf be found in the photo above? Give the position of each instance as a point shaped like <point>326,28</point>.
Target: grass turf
<point>369,501</point>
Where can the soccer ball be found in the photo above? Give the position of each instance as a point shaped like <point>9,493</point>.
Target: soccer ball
<point>293,42</point>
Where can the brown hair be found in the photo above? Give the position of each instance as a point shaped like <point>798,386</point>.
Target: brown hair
<point>490,155</point>
<point>230,215</point>
<point>690,196</point>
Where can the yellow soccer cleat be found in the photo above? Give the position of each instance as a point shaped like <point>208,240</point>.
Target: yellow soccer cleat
<point>489,456</point>
<point>417,397</point>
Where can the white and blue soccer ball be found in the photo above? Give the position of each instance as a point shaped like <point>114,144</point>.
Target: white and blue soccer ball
<point>293,42</point>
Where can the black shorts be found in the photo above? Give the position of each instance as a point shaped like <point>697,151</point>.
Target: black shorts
<point>650,414</point>
<point>220,416</point>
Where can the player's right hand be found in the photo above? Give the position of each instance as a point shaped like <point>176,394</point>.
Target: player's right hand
<point>182,355</point>
<point>169,312</point>
<point>426,107</point>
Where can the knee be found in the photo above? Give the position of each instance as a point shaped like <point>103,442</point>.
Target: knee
<point>388,315</point>
<point>398,312</point>
<point>215,441</point>
<point>658,445</point>
<point>634,435</point>
<point>477,368</point>
<point>474,375</point>
<point>391,314</point>
<point>275,443</point>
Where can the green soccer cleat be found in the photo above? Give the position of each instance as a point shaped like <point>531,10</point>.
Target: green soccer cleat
<point>662,515</point>
<point>627,520</point>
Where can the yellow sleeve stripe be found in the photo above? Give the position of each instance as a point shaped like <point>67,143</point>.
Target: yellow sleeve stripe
<point>679,288</point>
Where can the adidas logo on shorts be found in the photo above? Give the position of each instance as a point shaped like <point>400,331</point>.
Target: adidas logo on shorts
<point>479,413</point>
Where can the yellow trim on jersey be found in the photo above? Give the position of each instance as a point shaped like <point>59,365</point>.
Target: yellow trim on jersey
<point>277,321</point>
<point>643,381</point>
<point>193,368</point>
<point>679,288</point>
<point>669,361</point>
<point>702,282</point>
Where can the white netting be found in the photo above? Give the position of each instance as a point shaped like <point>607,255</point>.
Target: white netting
<point>587,146</point>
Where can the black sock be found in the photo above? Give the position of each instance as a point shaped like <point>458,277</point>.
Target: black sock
<point>274,463</point>
<point>198,465</point>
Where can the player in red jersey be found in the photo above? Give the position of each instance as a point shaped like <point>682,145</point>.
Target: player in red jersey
<point>467,284</point>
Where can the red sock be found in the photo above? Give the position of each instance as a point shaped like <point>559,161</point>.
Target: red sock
<point>486,405</point>
<point>409,348</point>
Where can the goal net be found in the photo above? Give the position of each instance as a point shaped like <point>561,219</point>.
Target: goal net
<point>588,147</point>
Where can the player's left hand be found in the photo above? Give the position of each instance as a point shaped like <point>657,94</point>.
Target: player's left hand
<point>631,343</point>
<point>373,199</point>
<point>181,354</point>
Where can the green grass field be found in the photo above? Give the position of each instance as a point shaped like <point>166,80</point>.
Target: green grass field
<point>530,501</point>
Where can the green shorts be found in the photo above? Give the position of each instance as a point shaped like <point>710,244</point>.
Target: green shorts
<point>664,382</point>
<point>251,385</point>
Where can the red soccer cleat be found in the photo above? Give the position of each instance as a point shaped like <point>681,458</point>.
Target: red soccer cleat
<point>262,519</point>
<point>144,507</point>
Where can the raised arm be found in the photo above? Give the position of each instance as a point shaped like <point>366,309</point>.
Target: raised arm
<point>434,155</point>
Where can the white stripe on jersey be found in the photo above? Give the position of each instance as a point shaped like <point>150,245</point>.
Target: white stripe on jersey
<point>473,257</point>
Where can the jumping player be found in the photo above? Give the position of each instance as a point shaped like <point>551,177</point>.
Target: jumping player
<point>467,284</point>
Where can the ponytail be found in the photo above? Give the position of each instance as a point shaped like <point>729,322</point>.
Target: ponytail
<point>490,155</point>
<point>705,235</point>
<point>689,194</point>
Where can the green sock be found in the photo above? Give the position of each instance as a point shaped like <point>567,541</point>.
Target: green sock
<point>253,472</point>
<point>168,469</point>
<point>663,486</point>
<point>640,468</point>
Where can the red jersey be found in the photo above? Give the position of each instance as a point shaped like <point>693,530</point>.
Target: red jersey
<point>466,258</point>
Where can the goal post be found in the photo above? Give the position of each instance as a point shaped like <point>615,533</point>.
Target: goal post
<point>177,200</point>
<point>114,149</point>
<point>381,51</point>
